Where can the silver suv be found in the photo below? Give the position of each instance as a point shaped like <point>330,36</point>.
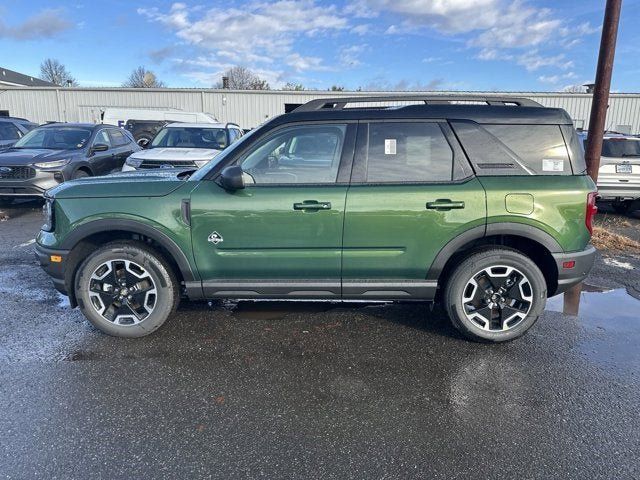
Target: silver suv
<point>619,173</point>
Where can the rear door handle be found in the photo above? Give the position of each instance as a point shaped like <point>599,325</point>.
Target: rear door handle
<point>444,204</point>
<point>312,205</point>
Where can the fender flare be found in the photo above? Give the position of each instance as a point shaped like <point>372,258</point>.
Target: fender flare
<point>491,229</point>
<point>133,226</point>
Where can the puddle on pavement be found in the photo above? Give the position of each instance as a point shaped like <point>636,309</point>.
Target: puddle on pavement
<point>611,320</point>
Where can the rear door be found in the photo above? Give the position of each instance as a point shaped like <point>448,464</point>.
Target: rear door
<point>122,147</point>
<point>412,191</point>
<point>281,236</point>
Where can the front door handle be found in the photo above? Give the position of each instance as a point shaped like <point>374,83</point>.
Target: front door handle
<point>312,205</point>
<point>444,204</point>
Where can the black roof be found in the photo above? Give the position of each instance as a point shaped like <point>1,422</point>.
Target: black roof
<point>79,125</point>
<point>504,110</point>
<point>9,76</point>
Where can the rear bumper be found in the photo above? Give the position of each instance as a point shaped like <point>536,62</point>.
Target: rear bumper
<point>56,270</point>
<point>569,277</point>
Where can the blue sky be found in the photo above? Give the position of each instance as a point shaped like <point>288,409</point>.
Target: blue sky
<point>373,44</point>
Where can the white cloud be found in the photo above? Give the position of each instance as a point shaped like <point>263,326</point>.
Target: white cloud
<point>350,56</point>
<point>556,79</point>
<point>259,32</point>
<point>534,61</point>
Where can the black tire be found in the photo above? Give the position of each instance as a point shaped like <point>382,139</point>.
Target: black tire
<point>147,273</point>
<point>80,174</point>
<point>523,305</point>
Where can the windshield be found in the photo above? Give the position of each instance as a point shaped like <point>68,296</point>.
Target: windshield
<point>620,147</point>
<point>190,137</point>
<point>55,138</point>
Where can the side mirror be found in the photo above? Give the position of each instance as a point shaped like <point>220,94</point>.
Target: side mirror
<point>231,178</point>
<point>99,147</point>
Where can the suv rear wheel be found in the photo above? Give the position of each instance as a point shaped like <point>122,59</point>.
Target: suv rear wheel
<point>126,289</point>
<point>495,295</point>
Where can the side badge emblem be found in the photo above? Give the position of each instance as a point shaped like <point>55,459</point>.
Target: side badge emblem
<point>215,238</point>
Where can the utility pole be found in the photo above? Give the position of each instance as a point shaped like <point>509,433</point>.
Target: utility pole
<point>602,86</point>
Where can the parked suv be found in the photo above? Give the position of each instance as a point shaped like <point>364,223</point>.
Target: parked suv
<point>483,206</point>
<point>13,129</point>
<point>185,145</point>
<point>619,172</point>
<point>54,153</point>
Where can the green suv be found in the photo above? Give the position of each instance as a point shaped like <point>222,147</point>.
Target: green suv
<point>479,203</point>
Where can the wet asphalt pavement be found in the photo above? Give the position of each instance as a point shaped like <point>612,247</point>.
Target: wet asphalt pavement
<point>310,390</point>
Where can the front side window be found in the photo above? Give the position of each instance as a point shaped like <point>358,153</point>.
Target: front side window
<point>408,152</point>
<point>118,138</point>
<point>191,137</point>
<point>297,155</point>
<point>102,137</point>
<point>55,138</point>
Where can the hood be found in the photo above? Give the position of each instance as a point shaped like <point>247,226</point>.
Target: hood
<point>161,153</point>
<point>154,183</point>
<point>26,156</point>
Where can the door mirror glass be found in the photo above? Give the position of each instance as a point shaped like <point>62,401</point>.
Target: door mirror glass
<point>232,178</point>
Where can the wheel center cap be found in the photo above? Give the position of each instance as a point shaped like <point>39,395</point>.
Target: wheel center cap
<point>495,298</point>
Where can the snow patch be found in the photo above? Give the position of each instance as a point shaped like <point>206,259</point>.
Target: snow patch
<point>617,263</point>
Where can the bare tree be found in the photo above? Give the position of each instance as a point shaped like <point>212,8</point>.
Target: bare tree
<point>291,86</point>
<point>241,78</point>
<point>143,78</point>
<point>53,71</point>
<point>575,89</point>
<point>336,88</point>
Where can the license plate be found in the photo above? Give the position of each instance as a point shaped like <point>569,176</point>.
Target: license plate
<point>623,168</point>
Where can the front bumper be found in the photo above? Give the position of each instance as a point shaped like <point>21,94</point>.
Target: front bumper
<point>569,277</point>
<point>56,270</point>
<point>31,187</point>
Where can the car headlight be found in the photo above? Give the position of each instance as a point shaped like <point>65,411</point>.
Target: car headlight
<point>47,212</point>
<point>52,164</point>
<point>134,162</point>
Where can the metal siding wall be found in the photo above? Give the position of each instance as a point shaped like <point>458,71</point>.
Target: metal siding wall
<point>250,109</point>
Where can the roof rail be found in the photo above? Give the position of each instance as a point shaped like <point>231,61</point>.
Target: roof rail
<point>339,103</point>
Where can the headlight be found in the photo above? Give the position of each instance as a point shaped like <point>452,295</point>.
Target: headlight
<point>134,162</point>
<point>52,164</point>
<point>47,212</point>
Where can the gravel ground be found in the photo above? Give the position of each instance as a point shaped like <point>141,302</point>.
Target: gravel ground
<point>309,390</point>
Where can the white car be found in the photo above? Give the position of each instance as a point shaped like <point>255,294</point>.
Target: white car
<point>184,145</point>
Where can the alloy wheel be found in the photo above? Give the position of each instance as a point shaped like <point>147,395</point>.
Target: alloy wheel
<point>122,292</point>
<point>497,298</point>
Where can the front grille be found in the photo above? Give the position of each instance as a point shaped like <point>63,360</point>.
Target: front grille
<point>162,163</point>
<point>17,173</point>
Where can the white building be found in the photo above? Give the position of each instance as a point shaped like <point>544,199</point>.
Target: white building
<point>251,108</point>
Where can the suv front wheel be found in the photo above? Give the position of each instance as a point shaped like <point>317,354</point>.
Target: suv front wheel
<point>126,289</point>
<point>495,295</point>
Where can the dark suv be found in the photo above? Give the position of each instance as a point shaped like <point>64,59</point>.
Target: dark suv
<point>54,153</point>
<point>482,204</point>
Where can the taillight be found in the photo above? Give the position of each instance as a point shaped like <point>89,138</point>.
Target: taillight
<point>592,209</point>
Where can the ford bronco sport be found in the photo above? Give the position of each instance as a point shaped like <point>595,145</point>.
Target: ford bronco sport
<point>480,203</point>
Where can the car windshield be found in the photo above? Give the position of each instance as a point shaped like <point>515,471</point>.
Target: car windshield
<point>191,137</point>
<point>620,147</point>
<point>55,138</point>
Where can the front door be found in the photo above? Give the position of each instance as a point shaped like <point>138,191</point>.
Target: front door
<point>412,192</point>
<point>281,236</point>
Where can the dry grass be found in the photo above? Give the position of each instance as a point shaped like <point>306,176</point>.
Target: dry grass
<point>604,239</point>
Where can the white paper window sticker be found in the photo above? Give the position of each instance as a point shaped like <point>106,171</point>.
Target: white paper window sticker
<point>390,146</point>
<point>552,165</point>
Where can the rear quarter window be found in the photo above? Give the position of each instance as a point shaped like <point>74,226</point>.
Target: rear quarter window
<point>515,149</point>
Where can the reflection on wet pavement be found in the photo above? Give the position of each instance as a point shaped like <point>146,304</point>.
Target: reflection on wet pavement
<point>610,319</point>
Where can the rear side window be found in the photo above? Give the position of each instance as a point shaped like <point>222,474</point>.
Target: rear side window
<point>408,152</point>
<point>8,131</point>
<point>515,149</point>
